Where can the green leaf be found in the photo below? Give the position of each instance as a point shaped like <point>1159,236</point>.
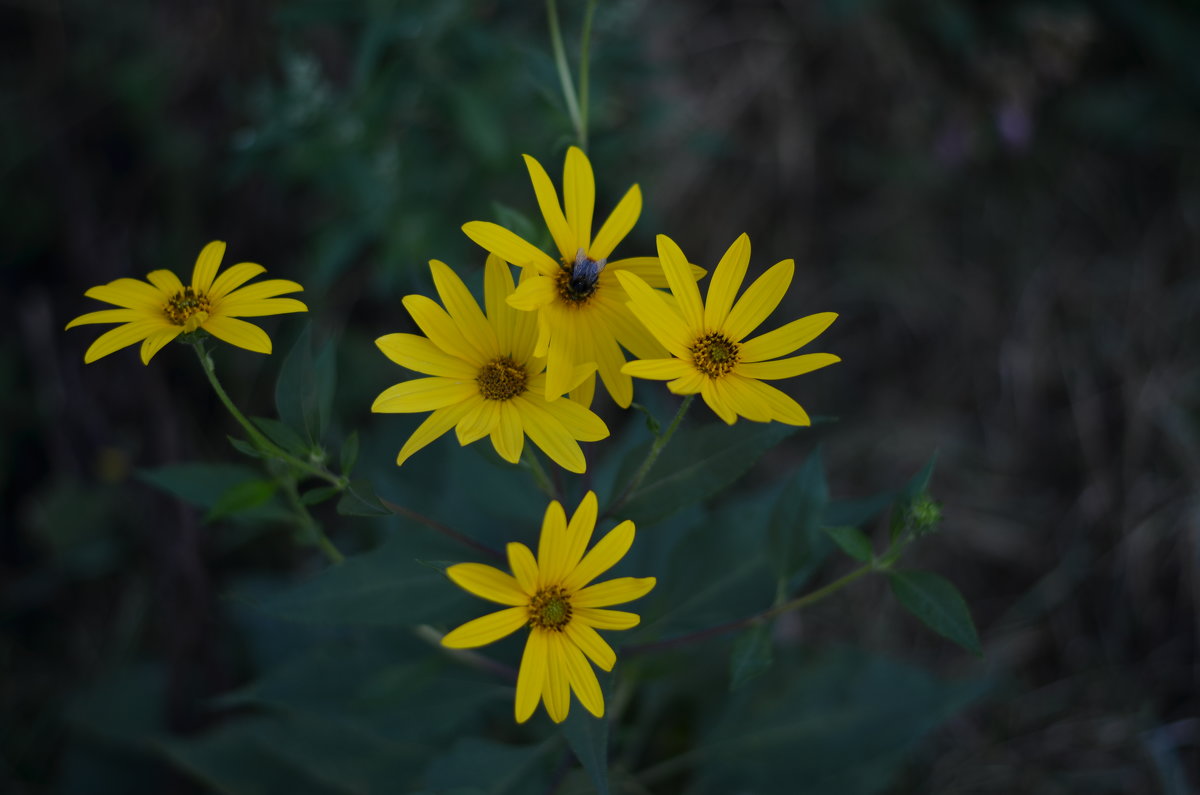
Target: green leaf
<point>491,768</point>
<point>698,465</point>
<point>938,604</point>
<point>853,542</point>
<point>242,497</point>
<point>359,500</point>
<point>304,391</point>
<point>795,543</point>
<point>912,490</point>
<point>282,435</point>
<point>349,453</point>
<point>318,495</point>
<point>588,738</point>
<point>244,447</point>
<point>752,655</point>
<point>204,485</point>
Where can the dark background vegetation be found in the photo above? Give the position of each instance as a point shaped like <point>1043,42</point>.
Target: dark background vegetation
<point>1001,200</point>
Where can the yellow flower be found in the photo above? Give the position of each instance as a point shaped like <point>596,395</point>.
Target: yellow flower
<point>580,305</point>
<point>485,378</point>
<point>552,596</point>
<point>707,337</point>
<point>157,312</point>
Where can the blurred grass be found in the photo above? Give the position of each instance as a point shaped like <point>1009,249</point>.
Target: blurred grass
<point>1000,200</point>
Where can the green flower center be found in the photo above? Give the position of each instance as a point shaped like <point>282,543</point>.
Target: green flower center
<point>188,308</point>
<point>501,379</point>
<point>576,281</point>
<point>714,354</point>
<point>550,609</point>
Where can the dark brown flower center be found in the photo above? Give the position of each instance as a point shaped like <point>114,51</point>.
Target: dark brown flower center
<point>188,308</point>
<point>550,609</point>
<point>576,281</point>
<point>714,354</point>
<point>501,379</point>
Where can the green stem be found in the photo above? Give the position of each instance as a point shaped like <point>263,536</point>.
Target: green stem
<point>314,528</point>
<point>585,46</point>
<point>539,472</point>
<point>795,604</point>
<point>656,449</point>
<point>256,436</point>
<point>564,73</point>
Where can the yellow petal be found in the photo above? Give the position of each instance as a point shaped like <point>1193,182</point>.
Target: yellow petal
<point>552,546</point>
<point>614,230</point>
<point>505,320</point>
<point>130,293</point>
<point>579,197</point>
<point>787,368</point>
<point>579,530</point>
<point>533,294</point>
<point>737,393</point>
<point>418,353</point>
<point>486,629</point>
<point>166,281</point>
<point>786,338</point>
<point>510,247</point>
<point>434,426</point>
<point>550,436</point>
<point>650,269</point>
<point>582,424</point>
<point>532,676</point>
<point>606,619</point>
<point>263,308</point>
<point>555,689</point>
<point>690,383</point>
<point>667,326</point>
<point>109,316</point>
<point>239,333</point>
<point>582,677</point>
<point>726,281</point>
<point>602,557</point>
<point>121,337</point>
<point>683,286</point>
<point>547,199</point>
<point>609,361</point>
<point>657,369</point>
<point>424,394</point>
<point>613,592</point>
<point>759,300</point>
<point>441,329</point>
<point>488,582</point>
<point>234,277</point>
<point>478,422</point>
<point>585,391</point>
<point>464,310</point>
<point>591,644</point>
<point>206,266</point>
<point>716,401</point>
<point>629,331</point>
<point>271,288</point>
<point>524,567</point>
<point>563,353</point>
<point>155,342</point>
<point>783,408</point>
<point>508,437</point>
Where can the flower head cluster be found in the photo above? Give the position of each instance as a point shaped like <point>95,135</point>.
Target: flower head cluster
<point>580,304</point>
<point>157,311</point>
<point>707,339</point>
<point>553,596</point>
<point>484,379</point>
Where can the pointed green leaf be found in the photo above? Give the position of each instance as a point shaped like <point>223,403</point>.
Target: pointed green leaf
<point>795,539</point>
<point>490,768</point>
<point>588,738</point>
<point>752,655</point>
<point>912,490</point>
<point>349,453</point>
<point>204,485</point>
<point>304,390</point>
<point>359,500</point>
<point>938,604</point>
<point>852,541</point>
<point>242,497</point>
<point>282,435</point>
<point>244,447</point>
<point>318,495</point>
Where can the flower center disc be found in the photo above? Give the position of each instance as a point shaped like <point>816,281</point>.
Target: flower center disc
<point>577,280</point>
<point>188,308</point>
<point>550,608</point>
<point>501,379</point>
<point>714,354</point>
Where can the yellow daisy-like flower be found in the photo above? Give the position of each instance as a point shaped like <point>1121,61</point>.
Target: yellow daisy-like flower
<point>552,596</point>
<point>706,338</point>
<point>580,304</point>
<point>485,377</point>
<point>156,312</point>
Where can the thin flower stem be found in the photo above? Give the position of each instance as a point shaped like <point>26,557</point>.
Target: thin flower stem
<point>795,604</point>
<point>656,449</point>
<point>256,436</point>
<point>539,473</point>
<point>449,532</point>
<point>564,73</point>
<point>314,528</point>
<point>585,46</point>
